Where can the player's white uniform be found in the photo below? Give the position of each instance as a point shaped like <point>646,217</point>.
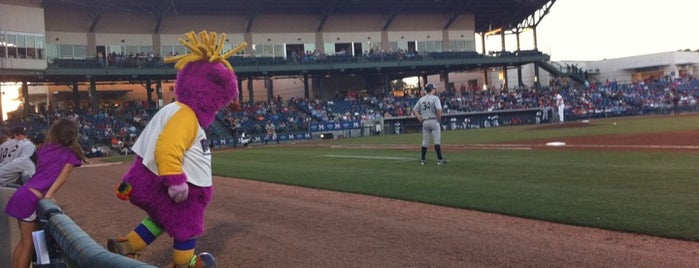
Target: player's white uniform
<point>429,110</point>
<point>427,106</point>
<point>15,160</point>
<point>561,106</point>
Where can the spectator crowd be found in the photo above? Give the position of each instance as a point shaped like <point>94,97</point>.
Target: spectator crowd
<point>111,130</point>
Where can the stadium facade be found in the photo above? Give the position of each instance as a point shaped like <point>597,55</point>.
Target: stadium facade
<point>61,52</point>
<point>41,36</point>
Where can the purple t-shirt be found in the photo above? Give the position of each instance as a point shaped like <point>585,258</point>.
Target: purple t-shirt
<point>52,158</point>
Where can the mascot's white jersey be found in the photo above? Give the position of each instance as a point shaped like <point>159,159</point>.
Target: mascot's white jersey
<point>176,124</point>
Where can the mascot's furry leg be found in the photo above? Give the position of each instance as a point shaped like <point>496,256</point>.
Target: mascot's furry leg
<point>146,232</point>
<point>138,239</point>
<point>145,190</point>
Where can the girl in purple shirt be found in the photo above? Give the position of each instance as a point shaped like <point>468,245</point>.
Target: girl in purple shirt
<point>56,159</point>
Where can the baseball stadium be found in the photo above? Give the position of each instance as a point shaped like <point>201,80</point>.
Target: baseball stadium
<point>314,148</point>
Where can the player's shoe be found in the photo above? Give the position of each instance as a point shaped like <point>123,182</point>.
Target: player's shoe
<point>121,246</point>
<point>203,260</point>
<point>442,162</point>
<point>423,162</point>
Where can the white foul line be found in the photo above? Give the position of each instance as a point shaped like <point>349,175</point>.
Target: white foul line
<point>100,165</point>
<point>367,157</point>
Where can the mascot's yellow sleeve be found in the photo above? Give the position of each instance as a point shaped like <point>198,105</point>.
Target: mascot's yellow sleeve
<point>177,136</point>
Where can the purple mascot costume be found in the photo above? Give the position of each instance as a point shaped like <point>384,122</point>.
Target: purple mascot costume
<point>170,178</point>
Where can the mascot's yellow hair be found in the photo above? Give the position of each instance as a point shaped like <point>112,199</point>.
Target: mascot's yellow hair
<point>206,47</point>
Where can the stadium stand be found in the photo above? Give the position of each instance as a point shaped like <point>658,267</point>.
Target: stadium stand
<point>115,127</point>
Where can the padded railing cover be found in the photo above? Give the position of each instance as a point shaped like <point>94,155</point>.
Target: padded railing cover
<point>75,244</point>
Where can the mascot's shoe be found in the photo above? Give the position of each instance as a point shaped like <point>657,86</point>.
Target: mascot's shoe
<point>203,260</point>
<point>121,246</point>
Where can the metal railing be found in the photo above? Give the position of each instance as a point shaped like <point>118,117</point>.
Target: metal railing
<point>70,246</point>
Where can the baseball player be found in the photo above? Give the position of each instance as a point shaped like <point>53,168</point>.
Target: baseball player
<point>16,165</point>
<point>428,110</point>
<point>561,107</point>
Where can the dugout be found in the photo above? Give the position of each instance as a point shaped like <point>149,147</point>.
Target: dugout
<point>338,134</point>
<point>337,129</point>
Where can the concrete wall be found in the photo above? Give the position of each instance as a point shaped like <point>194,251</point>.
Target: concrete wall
<point>139,30</point>
<point>9,229</point>
<point>26,19</point>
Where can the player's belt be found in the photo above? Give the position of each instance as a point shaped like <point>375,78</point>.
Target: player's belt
<point>429,119</point>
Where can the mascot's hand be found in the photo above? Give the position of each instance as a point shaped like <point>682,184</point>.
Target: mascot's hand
<point>177,186</point>
<point>178,192</point>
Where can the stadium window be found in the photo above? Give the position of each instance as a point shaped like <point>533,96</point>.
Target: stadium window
<point>51,51</point>
<point>329,48</point>
<point>393,46</point>
<point>131,50</point>
<point>267,50</point>
<point>470,46</point>
<point>114,49</point>
<point>72,51</point>
<point>166,50</point>
<point>80,51</point>
<point>11,44</point>
<point>309,47</point>
<point>21,47</point>
<point>227,47</point>
<point>65,51</point>
<point>39,45</point>
<point>457,45</point>
<point>406,45</point>
<point>180,50</point>
<point>3,47</point>
<point>429,46</point>
<point>343,48</point>
<point>278,50</point>
<point>172,50</point>
<point>22,52</point>
<point>30,47</point>
<point>145,49</point>
<point>374,45</point>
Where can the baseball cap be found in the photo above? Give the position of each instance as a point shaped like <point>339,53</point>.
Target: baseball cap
<point>19,131</point>
<point>429,87</point>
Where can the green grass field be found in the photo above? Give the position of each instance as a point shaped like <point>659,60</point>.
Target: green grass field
<point>655,193</point>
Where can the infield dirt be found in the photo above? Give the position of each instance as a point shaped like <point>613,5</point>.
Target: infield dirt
<point>256,224</point>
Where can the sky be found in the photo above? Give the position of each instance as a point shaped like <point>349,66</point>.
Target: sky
<point>591,30</point>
